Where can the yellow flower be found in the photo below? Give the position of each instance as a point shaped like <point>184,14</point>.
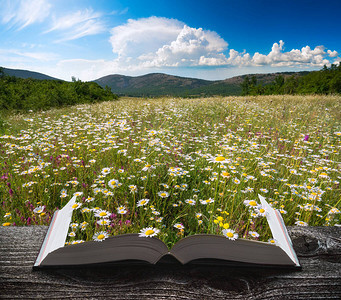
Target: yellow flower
<point>6,224</point>
<point>226,225</point>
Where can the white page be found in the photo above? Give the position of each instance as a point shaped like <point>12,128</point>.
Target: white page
<point>278,230</point>
<point>57,233</point>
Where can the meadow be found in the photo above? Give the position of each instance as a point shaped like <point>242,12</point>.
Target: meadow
<point>173,167</point>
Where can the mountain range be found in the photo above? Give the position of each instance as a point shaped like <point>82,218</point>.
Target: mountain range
<point>159,84</point>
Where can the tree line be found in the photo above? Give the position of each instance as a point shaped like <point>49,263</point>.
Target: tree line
<point>325,81</point>
<point>34,94</point>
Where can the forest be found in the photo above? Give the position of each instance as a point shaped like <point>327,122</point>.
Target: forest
<point>325,81</point>
<point>34,94</point>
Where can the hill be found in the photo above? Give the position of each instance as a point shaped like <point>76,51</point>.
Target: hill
<point>27,74</point>
<point>158,84</point>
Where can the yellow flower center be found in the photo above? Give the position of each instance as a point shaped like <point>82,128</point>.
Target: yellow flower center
<point>147,166</point>
<point>163,194</point>
<point>220,158</point>
<point>149,232</point>
<point>229,234</point>
<point>102,214</point>
<point>101,237</point>
<point>75,205</point>
<point>225,173</point>
<point>143,202</point>
<point>6,224</point>
<point>261,210</point>
<point>253,203</point>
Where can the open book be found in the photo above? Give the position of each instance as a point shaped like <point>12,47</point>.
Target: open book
<point>191,249</point>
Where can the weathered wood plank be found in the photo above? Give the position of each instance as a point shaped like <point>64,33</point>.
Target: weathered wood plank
<point>318,249</point>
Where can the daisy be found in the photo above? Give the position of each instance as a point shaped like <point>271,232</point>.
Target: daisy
<point>219,159</point>
<point>225,174</point>
<point>230,234</point>
<point>178,226</point>
<point>106,171</point>
<point>89,199</point>
<point>102,214</point>
<point>113,183</point>
<point>142,202</point>
<point>250,203</point>
<point>39,209</point>
<point>148,232</point>
<point>103,222</point>
<point>208,201</point>
<point>163,194</point>
<point>272,241</point>
<point>190,201</point>
<point>301,223</point>
<point>121,210</point>
<point>76,205</point>
<point>7,215</point>
<point>74,226</point>
<point>100,236</point>
<point>260,211</point>
<point>236,180</point>
<point>78,194</point>
<point>254,234</point>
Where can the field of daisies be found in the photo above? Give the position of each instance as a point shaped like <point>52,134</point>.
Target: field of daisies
<point>175,167</point>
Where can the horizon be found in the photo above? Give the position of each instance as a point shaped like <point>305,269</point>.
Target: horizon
<point>210,40</point>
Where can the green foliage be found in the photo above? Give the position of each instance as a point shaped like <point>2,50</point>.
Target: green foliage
<point>325,81</point>
<point>33,94</point>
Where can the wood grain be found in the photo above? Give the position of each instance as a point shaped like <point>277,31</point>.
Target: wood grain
<point>318,249</point>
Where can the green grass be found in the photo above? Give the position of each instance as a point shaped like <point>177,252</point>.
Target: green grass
<point>285,148</point>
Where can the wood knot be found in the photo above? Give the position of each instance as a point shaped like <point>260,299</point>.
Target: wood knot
<point>306,245</point>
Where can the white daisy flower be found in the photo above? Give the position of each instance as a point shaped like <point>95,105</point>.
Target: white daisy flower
<point>100,236</point>
<point>230,234</point>
<point>148,232</point>
<point>142,202</point>
<point>163,194</point>
<point>39,209</point>
<point>179,226</point>
<point>254,234</point>
<point>190,201</point>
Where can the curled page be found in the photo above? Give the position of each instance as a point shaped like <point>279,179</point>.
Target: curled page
<point>57,232</point>
<point>278,230</point>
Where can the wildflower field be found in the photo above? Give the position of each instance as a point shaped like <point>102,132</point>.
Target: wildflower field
<point>175,167</point>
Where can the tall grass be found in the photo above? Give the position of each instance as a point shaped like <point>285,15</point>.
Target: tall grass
<point>196,164</point>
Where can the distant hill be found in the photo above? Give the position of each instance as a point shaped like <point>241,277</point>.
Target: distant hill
<point>27,74</point>
<point>158,84</point>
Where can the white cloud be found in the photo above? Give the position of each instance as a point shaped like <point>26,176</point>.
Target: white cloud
<point>78,24</point>
<point>21,14</point>
<point>160,42</point>
<point>20,55</point>
<point>305,57</point>
<point>143,36</point>
<point>332,53</point>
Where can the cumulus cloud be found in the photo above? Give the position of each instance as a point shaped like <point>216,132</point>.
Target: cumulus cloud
<point>162,42</point>
<point>78,24</point>
<point>332,53</point>
<point>21,14</point>
<point>306,56</point>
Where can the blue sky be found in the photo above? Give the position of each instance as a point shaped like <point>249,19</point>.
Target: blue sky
<point>214,39</point>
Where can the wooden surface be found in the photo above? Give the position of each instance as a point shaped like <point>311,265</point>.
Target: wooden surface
<point>318,249</point>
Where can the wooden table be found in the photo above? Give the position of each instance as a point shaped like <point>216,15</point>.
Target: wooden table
<point>318,249</point>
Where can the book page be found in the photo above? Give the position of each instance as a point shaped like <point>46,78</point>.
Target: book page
<point>278,230</point>
<point>57,233</point>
